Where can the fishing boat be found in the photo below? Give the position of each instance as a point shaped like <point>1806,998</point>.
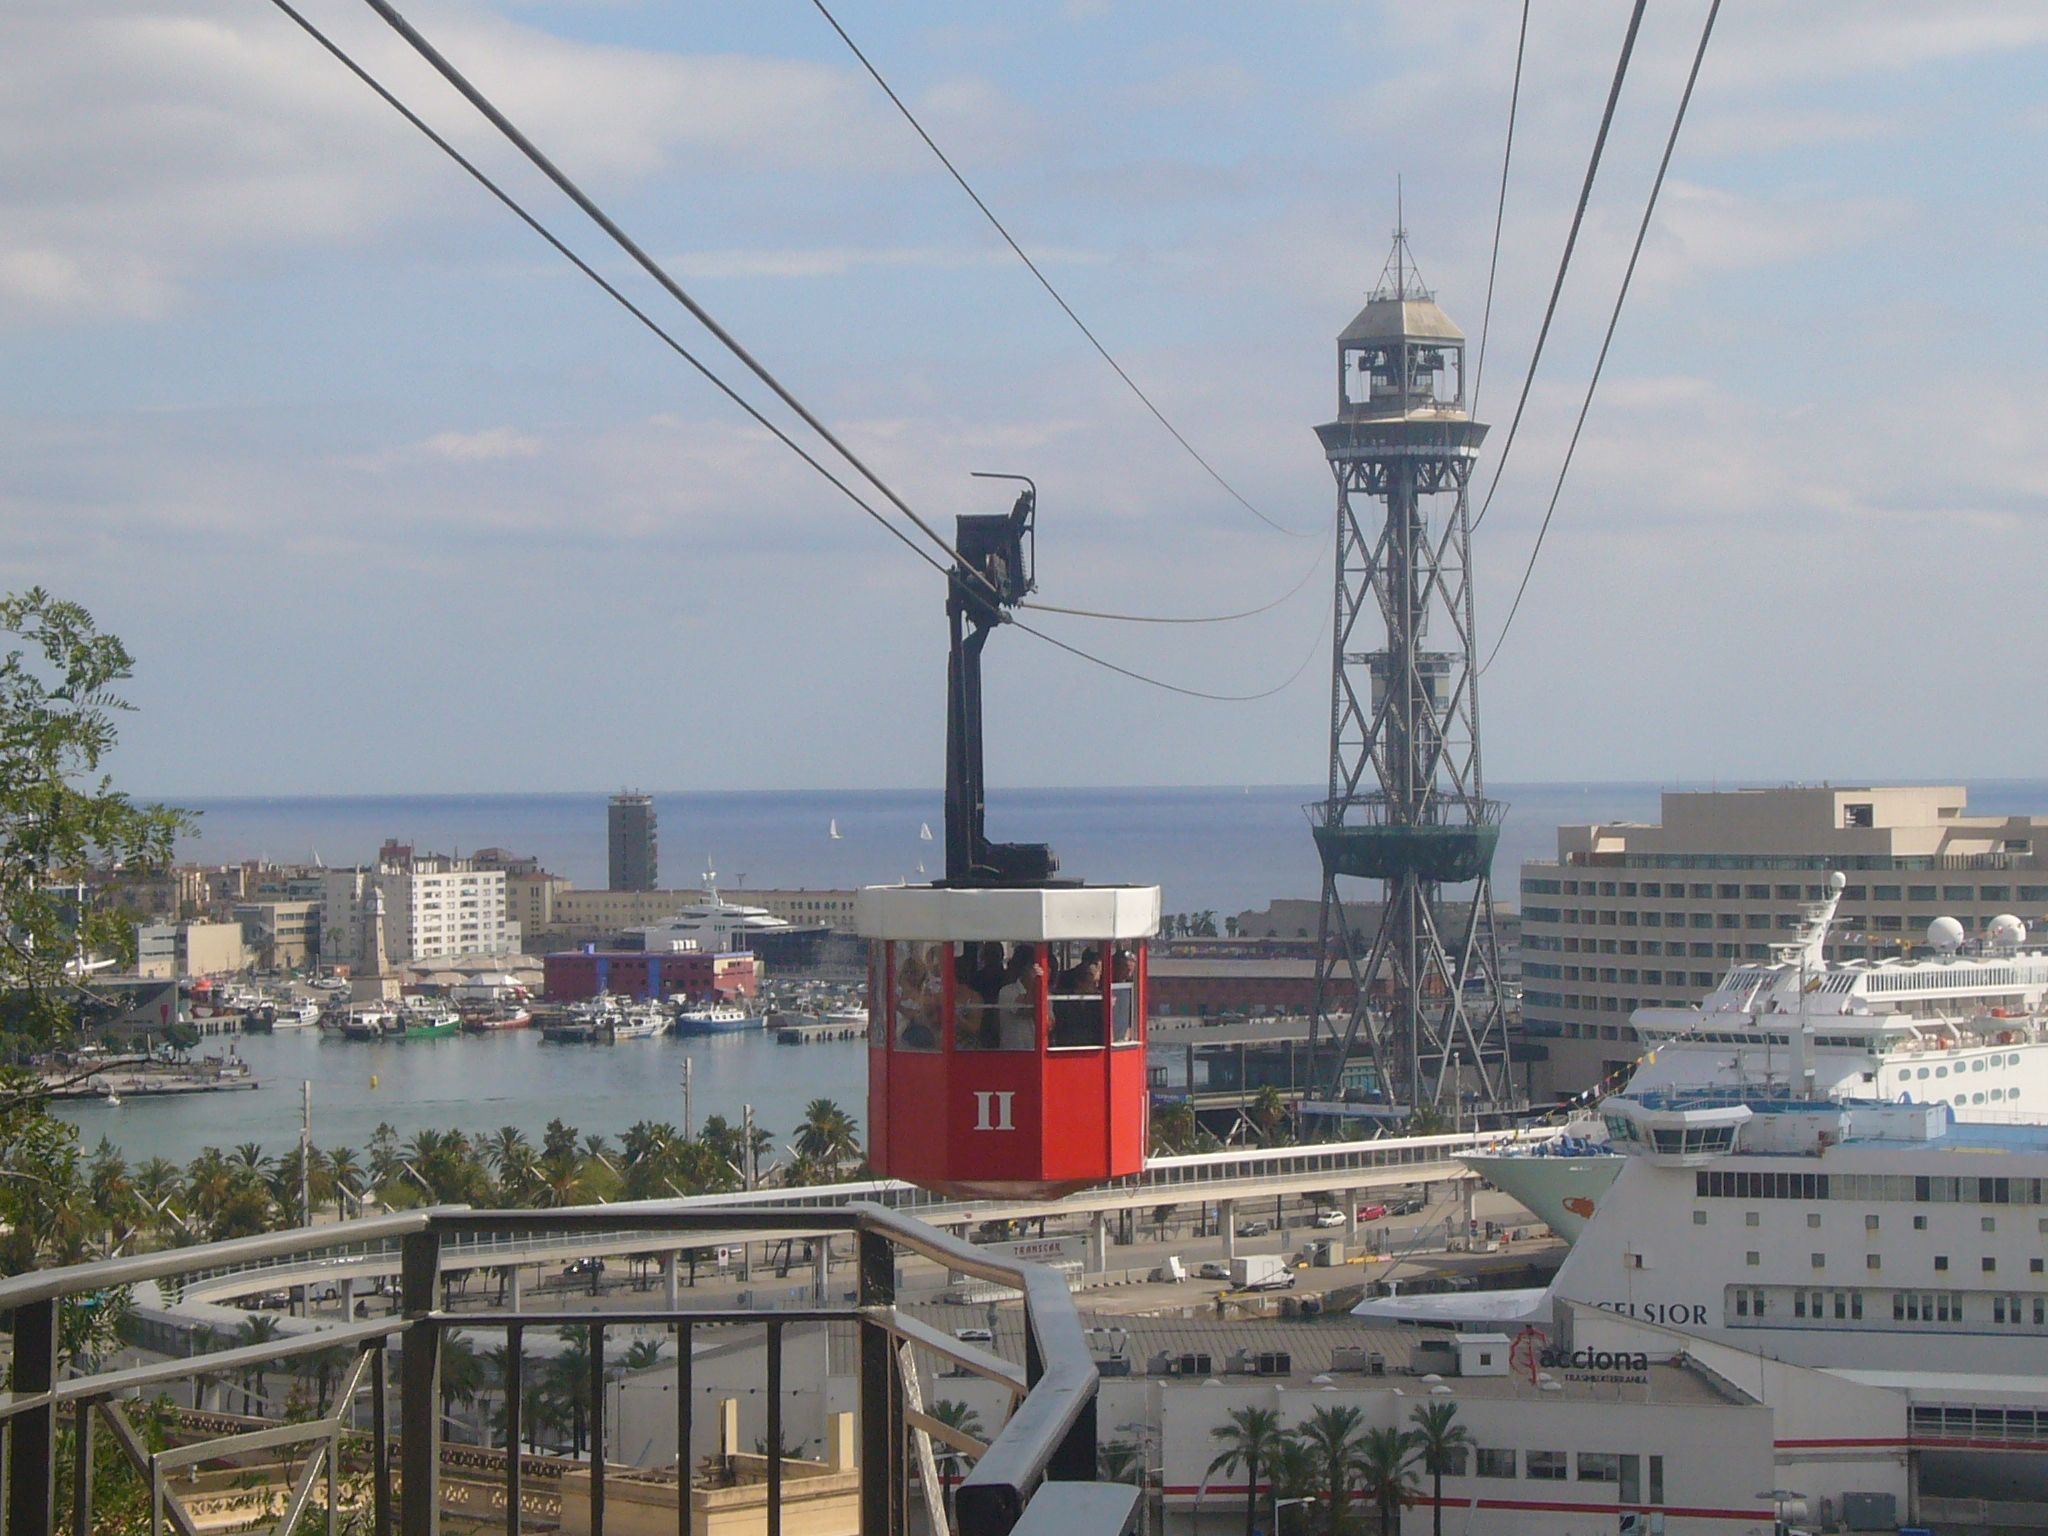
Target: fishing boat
<point>641,1021</point>
<point>715,1019</point>
<point>488,1018</point>
<point>585,1022</point>
<point>368,1021</point>
<point>420,1018</point>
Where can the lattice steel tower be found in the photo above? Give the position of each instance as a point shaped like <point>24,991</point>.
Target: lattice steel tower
<point>1406,804</point>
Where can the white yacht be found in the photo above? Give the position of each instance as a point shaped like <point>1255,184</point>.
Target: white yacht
<point>712,924</point>
<point>1960,1024</point>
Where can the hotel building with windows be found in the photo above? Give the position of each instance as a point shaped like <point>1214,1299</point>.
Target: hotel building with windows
<point>1630,915</point>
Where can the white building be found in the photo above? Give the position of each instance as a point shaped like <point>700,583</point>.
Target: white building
<point>433,908</point>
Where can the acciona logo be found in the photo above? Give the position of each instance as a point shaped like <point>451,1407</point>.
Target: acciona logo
<point>1531,1353</point>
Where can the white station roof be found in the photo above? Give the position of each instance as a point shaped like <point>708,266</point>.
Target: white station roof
<point>1018,915</point>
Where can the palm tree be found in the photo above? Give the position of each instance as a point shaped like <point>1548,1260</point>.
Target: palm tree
<point>345,1177</point>
<point>1248,1438</point>
<point>641,1355</point>
<point>568,1385</point>
<point>507,1148</point>
<point>463,1373</point>
<point>828,1134</point>
<point>1385,1458</point>
<point>1292,1473</point>
<point>1269,1114</point>
<point>1444,1444</point>
<point>258,1328</point>
<point>1120,1461</point>
<point>1333,1439</point>
<point>950,1460</point>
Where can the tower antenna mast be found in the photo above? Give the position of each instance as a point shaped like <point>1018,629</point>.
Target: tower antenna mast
<point>1416,991</point>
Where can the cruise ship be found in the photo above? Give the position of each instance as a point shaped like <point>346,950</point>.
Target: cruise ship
<point>1956,1024</point>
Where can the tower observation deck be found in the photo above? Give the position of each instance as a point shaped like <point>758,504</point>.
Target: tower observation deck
<point>1406,804</point>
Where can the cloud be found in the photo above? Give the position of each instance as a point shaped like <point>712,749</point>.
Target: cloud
<point>483,447</point>
<point>219,137</point>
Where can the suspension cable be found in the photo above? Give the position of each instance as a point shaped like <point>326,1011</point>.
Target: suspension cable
<point>539,228</point>
<point>1314,566</point>
<point>1628,45</point>
<point>1314,649</point>
<point>1046,283</point>
<point>483,180</point>
<point>1507,156</point>
<point>1642,230</point>
<point>654,269</point>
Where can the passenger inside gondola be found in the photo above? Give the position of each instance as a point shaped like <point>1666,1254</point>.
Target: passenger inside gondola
<point>918,998</point>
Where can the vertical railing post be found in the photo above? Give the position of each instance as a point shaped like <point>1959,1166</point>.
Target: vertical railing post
<point>380,1441</point>
<point>774,1429</point>
<point>875,1259</point>
<point>81,1469</point>
<point>597,1429</point>
<point>419,1386</point>
<point>32,1469</point>
<point>685,1404</point>
<point>515,1413</point>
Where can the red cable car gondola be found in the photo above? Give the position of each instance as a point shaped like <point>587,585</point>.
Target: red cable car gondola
<point>1006,1008</point>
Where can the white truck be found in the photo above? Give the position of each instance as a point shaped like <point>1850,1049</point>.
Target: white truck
<point>1261,1272</point>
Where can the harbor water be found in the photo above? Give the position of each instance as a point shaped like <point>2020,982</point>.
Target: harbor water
<point>478,1083</point>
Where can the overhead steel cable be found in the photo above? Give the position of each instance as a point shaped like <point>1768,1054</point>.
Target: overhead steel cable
<point>1613,320</point>
<point>647,263</point>
<point>483,104</point>
<point>1507,156</point>
<point>1314,566</point>
<point>1046,283</point>
<point>1628,46</point>
<point>1314,650</point>
<point>518,210</point>
<point>533,223</point>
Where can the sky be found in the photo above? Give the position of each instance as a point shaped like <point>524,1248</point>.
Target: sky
<point>384,497</point>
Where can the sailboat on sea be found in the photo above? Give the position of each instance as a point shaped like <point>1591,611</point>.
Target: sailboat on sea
<point>834,829</point>
<point>924,832</point>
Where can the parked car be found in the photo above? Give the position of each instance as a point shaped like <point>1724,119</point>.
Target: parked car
<point>1327,1219</point>
<point>1254,1228</point>
<point>586,1266</point>
<point>1407,1205</point>
<point>1374,1212</point>
<point>1215,1269</point>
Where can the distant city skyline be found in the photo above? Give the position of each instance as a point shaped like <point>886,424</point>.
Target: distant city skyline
<point>384,498</point>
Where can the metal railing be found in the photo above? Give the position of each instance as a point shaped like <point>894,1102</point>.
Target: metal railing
<point>1049,1436</point>
<point>1197,1176</point>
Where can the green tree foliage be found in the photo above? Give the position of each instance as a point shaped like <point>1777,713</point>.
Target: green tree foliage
<point>59,816</point>
<point>1443,1443</point>
<point>1248,1439</point>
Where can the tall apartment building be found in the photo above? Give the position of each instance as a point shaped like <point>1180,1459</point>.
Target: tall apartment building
<point>1633,914</point>
<point>434,907</point>
<point>635,862</point>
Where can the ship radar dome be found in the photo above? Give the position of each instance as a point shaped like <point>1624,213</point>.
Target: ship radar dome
<point>2007,931</point>
<point>1945,934</point>
<point>1837,882</point>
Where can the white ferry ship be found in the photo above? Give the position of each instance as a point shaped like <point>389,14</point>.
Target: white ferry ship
<point>1799,1227</point>
<point>1957,1024</point>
